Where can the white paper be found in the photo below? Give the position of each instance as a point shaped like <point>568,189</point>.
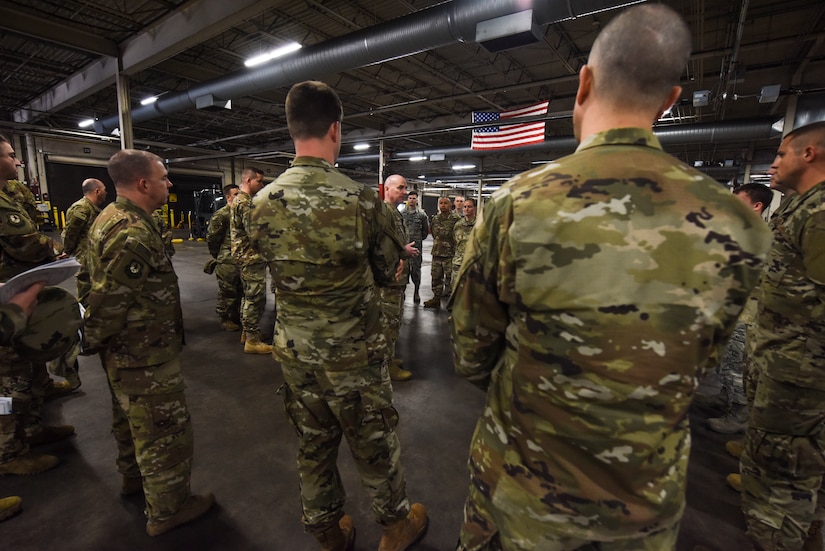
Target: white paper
<point>52,273</point>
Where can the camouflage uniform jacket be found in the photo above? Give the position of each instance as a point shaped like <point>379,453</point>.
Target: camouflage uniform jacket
<point>79,219</point>
<point>243,251</point>
<point>442,226</point>
<point>218,235</point>
<point>23,247</point>
<point>418,227</point>
<point>403,236</point>
<point>592,290</point>
<point>329,309</point>
<point>12,322</point>
<point>21,193</point>
<point>787,341</point>
<point>134,313</point>
<point>460,234</point>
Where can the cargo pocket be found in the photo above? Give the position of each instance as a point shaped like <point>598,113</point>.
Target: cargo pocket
<point>161,429</point>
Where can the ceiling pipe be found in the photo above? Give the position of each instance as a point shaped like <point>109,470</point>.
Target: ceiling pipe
<point>717,132</point>
<point>424,30</point>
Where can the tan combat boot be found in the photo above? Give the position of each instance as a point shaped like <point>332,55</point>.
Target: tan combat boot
<point>10,506</point>
<point>734,480</point>
<point>735,447</point>
<point>338,538</point>
<point>29,463</point>
<point>400,535</point>
<point>434,303</point>
<point>50,434</point>
<point>57,389</point>
<point>397,372</point>
<point>243,337</point>
<point>254,345</point>
<point>194,507</point>
<point>229,325</point>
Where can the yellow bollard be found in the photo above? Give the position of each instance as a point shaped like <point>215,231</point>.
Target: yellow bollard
<point>56,218</point>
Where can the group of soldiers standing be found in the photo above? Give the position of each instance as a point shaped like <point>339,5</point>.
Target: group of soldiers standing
<point>586,300</point>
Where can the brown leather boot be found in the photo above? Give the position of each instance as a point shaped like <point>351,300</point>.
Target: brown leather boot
<point>338,538</point>
<point>400,535</point>
<point>434,303</point>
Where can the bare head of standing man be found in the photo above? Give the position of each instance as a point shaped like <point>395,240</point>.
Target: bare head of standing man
<point>592,290</point>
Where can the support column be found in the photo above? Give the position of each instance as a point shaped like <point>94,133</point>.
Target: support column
<point>124,112</point>
<point>381,166</point>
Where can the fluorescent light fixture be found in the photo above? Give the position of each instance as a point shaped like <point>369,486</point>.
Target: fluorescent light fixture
<point>422,177</point>
<point>361,146</point>
<point>272,54</point>
<point>147,101</point>
<point>86,124</point>
<point>417,158</point>
<point>463,167</point>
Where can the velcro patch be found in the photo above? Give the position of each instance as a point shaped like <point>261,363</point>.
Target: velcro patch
<point>134,270</point>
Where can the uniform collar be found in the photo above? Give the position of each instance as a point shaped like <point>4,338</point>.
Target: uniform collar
<point>621,136</point>
<point>312,161</point>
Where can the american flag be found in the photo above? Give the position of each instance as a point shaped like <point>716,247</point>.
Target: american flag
<point>510,135</point>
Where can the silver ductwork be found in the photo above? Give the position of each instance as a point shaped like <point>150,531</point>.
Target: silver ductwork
<point>438,26</point>
<point>717,132</point>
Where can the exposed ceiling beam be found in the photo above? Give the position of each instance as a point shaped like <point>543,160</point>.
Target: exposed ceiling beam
<point>194,23</point>
<point>64,35</point>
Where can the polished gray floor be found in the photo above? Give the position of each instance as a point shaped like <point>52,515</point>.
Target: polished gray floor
<point>244,450</point>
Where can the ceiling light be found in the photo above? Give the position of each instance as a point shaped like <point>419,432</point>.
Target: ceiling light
<point>417,158</point>
<point>361,146</point>
<point>272,54</point>
<point>463,167</point>
<point>147,101</point>
<point>422,177</point>
<point>86,124</point>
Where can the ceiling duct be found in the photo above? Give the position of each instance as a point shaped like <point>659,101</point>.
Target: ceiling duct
<point>508,31</point>
<point>424,30</point>
<point>718,132</point>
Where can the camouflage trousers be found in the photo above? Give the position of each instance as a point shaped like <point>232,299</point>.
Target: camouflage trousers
<point>253,277</point>
<point>66,366</point>
<point>487,528</point>
<point>783,464</point>
<point>415,267</point>
<point>441,270</point>
<point>230,291</point>
<point>730,369</point>
<point>84,286</point>
<point>25,382</point>
<point>153,432</point>
<point>322,407</point>
<point>392,304</point>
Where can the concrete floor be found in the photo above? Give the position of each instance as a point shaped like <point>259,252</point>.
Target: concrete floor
<point>245,450</point>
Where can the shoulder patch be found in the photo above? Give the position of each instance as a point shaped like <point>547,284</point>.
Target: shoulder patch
<point>15,220</point>
<point>134,270</point>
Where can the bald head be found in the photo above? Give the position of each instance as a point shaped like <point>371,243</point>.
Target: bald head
<point>94,190</point>
<point>395,189</point>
